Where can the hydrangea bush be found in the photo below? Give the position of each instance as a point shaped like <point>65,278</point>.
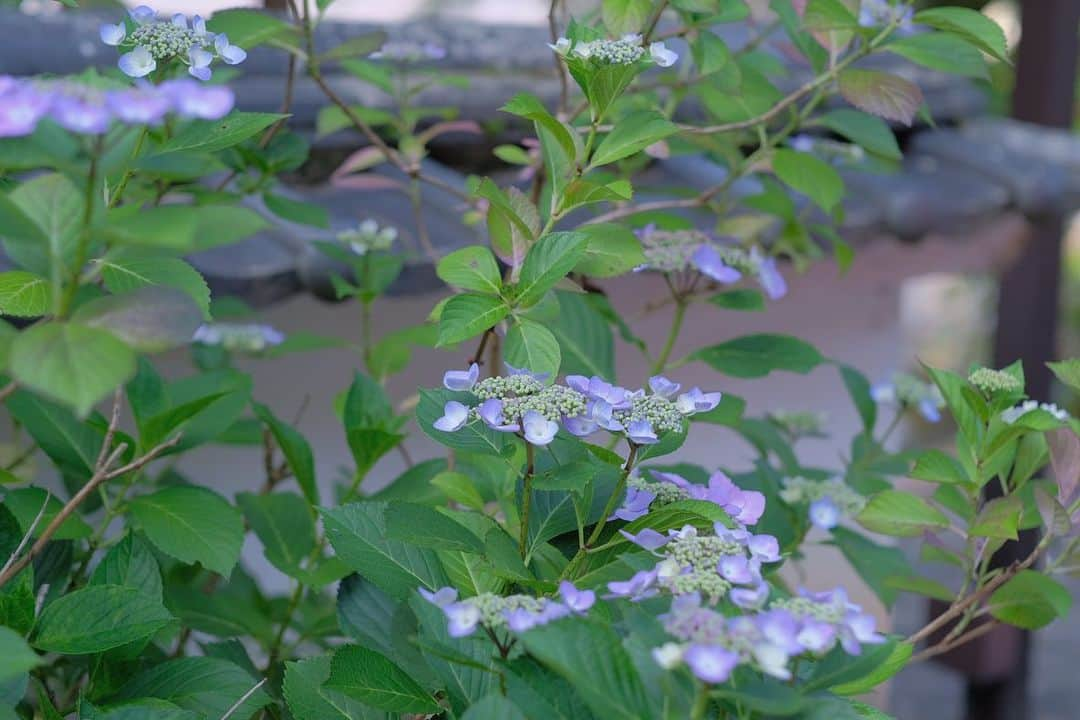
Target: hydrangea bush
<point>559,560</point>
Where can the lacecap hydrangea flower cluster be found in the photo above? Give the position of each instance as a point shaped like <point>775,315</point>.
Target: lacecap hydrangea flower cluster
<point>744,506</point>
<point>524,403</point>
<point>875,13</point>
<point>404,51</point>
<point>673,251</point>
<point>907,391</point>
<point>1013,414</point>
<point>627,50</point>
<point>238,337</point>
<point>367,237</point>
<point>700,570</point>
<point>720,616</point>
<point>91,110</point>
<point>724,563</point>
<point>798,424</point>
<point>516,613</point>
<point>829,500</point>
<point>712,645</point>
<point>151,41</point>
<point>995,382</point>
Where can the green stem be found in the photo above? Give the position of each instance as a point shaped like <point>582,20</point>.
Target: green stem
<point>550,224</point>
<point>616,495</point>
<point>83,248</point>
<point>677,319</point>
<point>609,508</point>
<point>275,647</point>
<point>112,511</point>
<point>650,27</point>
<point>589,140</point>
<point>526,500</point>
<point>701,704</point>
<point>416,198</point>
<point>365,313</point>
<point>129,173</point>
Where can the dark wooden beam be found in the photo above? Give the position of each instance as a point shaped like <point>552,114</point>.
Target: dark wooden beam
<point>1028,303</point>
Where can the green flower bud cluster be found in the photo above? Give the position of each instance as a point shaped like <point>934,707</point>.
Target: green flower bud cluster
<point>833,613</point>
<point>800,490</point>
<point>670,251</point>
<point>625,51</point>
<point>506,387</point>
<point>691,565</point>
<point>705,581</point>
<point>165,40</point>
<point>239,337</point>
<point>553,403</point>
<point>367,237</point>
<point>739,259</point>
<point>799,424</point>
<point>492,607</point>
<point>911,390</point>
<point>994,382</point>
<point>660,412</point>
<point>665,492</point>
<point>702,551</point>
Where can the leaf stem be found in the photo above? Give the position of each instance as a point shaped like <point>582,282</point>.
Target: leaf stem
<point>609,508</point>
<point>677,318</point>
<point>701,704</point>
<point>114,200</point>
<point>616,495</point>
<point>960,605</point>
<point>275,646</point>
<point>8,390</point>
<point>526,499</point>
<point>650,28</point>
<point>101,474</point>
<point>83,247</point>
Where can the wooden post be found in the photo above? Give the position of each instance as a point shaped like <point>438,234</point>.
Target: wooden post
<point>1029,299</point>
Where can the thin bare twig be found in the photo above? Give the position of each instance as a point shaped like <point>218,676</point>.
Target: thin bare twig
<point>646,35</point>
<point>412,169</point>
<point>621,212</point>
<point>8,390</point>
<point>806,89</point>
<point>243,698</point>
<point>961,605</point>
<point>110,431</point>
<point>29,534</point>
<point>478,356</point>
<point>560,69</point>
<point>140,462</point>
<point>941,648</point>
<point>102,474</point>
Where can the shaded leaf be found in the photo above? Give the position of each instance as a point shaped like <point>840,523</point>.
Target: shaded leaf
<point>1030,600</point>
<point>757,355</point>
<point>24,294</point>
<point>374,680</point>
<point>150,319</point>
<point>206,685</point>
<point>359,534</point>
<point>71,363</point>
<point>903,514</point>
<point>879,93</point>
<point>97,618</point>
<point>192,524</point>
